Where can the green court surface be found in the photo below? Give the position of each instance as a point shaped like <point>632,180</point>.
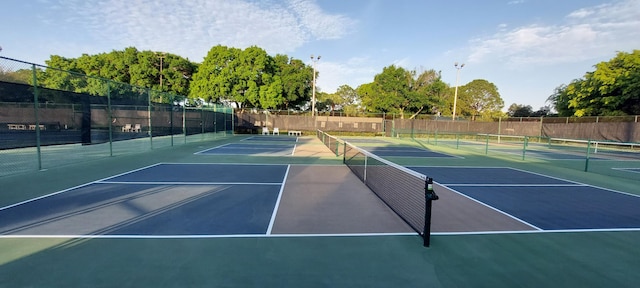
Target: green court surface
<point>524,259</point>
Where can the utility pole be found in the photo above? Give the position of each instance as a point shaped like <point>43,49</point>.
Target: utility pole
<point>455,97</point>
<point>313,93</point>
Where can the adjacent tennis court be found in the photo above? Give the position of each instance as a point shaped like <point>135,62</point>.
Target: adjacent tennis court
<point>284,149</point>
<point>544,202</point>
<point>190,215</point>
<point>404,151</point>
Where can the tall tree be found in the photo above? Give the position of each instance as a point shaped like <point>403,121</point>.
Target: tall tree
<point>481,98</point>
<point>348,99</point>
<point>251,78</point>
<point>391,91</point>
<point>430,91</point>
<point>215,79</point>
<point>130,66</point>
<point>612,89</point>
<point>517,110</point>
<point>296,80</point>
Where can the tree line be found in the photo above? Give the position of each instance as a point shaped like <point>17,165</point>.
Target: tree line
<point>251,78</point>
<point>612,89</point>
<point>408,92</point>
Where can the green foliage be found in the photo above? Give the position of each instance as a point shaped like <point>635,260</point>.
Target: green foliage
<point>130,66</point>
<point>22,76</point>
<point>613,89</point>
<point>252,78</point>
<point>296,79</point>
<point>480,98</point>
<point>399,91</point>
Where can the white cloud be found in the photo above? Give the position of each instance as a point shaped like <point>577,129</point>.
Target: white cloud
<point>191,28</point>
<point>516,2</point>
<point>587,33</point>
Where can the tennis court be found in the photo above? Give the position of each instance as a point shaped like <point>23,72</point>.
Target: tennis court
<point>202,200</point>
<point>404,151</point>
<point>251,149</point>
<point>178,217</point>
<point>543,202</point>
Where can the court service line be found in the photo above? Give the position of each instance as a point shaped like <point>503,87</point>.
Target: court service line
<point>543,175</point>
<point>130,171</point>
<point>513,185</point>
<point>294,149</point>
<point>200,236</point>
<point>183,183</point>
<point>630,169</point>
<point>493,208</point>
<point>277,205</point>
<point>586,230</point>
<point>69,189</point>
<point>209,236</point>
<point>216,147</point>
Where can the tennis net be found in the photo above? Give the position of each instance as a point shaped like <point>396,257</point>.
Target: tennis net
<point>591,148</point>
<point>332,142</point>
<point>406,192</point>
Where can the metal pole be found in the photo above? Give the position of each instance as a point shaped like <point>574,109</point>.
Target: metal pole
<point>149,115</point>
<point>313,93</point>
<point>35,110</point>
<point>455,97</point>
<point>110,118</point>
<point>429,197</point>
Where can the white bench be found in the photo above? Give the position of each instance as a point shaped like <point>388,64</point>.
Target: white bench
<point>295,133</point>
<point>17,126</point>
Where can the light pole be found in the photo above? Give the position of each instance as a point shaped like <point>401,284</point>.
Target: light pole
<point>313,93</point>
<point>455,96</point>
<point>161,56</point>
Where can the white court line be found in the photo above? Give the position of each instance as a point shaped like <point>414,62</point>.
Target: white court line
<point>206,236</point>
<point>277,205</point>
<point>630,169</point>
<point>212,148</point>
<point>513,185</point>
<point>129,172</point>
<point>69,189</point>
<point>183,183</point>
<point>494,208</point>
<point>294,150</point>
<point>105,181</point>
<point>14,236</point>
<point>535,231</point>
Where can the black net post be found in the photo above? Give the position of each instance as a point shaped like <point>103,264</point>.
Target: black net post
<point>429,196</point>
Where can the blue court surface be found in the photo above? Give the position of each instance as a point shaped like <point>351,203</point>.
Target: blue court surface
<point>280,149</point>
<point>546,155</point>
<point>160,200</point>
<point>404,151</point>
<point>366,140</point>
<point>271,138</point>
<point>544,202</point>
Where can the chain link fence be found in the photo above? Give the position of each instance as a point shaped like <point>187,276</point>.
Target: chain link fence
<point>50,117</point>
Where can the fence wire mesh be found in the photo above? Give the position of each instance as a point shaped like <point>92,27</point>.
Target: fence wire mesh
<point>51,117</point>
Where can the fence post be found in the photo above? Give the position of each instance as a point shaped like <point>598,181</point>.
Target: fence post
<point>173,99</point>
<point>35,110</point>
<point>149,110</point>
<point>110,114</point>
<point>541,128</point>
<point>184,121</point>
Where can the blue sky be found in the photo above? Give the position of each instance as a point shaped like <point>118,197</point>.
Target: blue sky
<point>526,47</point>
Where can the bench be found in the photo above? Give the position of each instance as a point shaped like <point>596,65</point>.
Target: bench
<point>295,133</point>
<point>17,126</point>
<point>33,127</point>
